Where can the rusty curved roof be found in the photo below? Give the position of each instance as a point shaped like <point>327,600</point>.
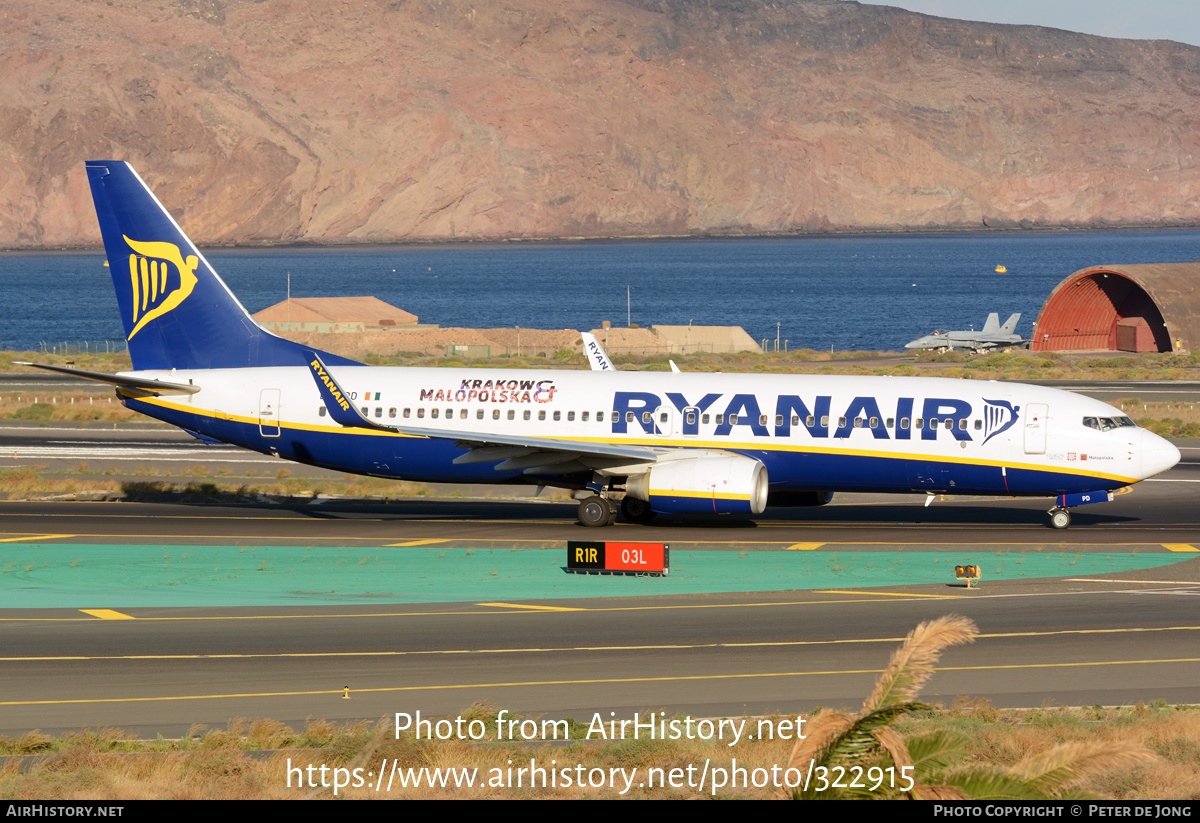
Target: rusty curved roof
<point>1082,311</point>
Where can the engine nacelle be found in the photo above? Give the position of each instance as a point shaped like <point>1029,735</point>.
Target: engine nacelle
<point>712,484</point>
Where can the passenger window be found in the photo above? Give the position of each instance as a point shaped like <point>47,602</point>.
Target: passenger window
<point>366,412</point>
<point>557,416</point>
<point>733,419</point>
<point>962,425</point>
<point>704,419</point>
<point>891,423</point>
<point>646,418</point>
<point>512,414</point>
<point>449,414</point>
<point>933,423</point>
<point>779,420</point>
<point>379,411</point>
<point>321,411</point>
<point>541,414</point>
<point>824,421</point>
<point>407,413</point>
<point>874,422</point>
<point>525,416</point>
<point>479,414</point>
<point>978,425</point>
<point>691,418</point>
<point>720,419</point>
<point>420,413</point>
<point>858,422</point>
<point>433,413</point>
<point>795,420</point>
<point>949,423</point>
<point>462,414</point>
<point>629,417</point>
<point>583,417</point>
<point>904,423</point>
<point>841,422</point>
<point>662,417</point>
<point>495,414</point>
<point>809,421</point>
<point>570,416</point>
<point>917,424</point>
<point>762,420</point>
<point>392,412</point>
<point>599,417</point>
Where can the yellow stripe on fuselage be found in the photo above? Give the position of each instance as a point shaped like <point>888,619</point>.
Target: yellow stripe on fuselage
<point>691,443</point>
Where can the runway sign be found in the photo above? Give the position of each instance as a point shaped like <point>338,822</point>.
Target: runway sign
<point>639,558</point>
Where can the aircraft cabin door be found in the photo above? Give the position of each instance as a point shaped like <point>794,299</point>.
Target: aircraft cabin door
<point>691,421</point>
<point>268,413</point>
<point>1036,415</point>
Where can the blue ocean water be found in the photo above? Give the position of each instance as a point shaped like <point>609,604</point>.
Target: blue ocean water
<point>863,293</point>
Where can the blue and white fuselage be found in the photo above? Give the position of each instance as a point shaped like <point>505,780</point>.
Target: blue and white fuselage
<point>659,443</point>
<point>812,433</point>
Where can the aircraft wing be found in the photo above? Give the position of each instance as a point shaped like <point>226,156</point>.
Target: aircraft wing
<point>533,455</point>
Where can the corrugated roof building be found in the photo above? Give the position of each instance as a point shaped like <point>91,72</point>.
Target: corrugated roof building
<point>1145,307</point>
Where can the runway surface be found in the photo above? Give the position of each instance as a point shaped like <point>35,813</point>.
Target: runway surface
<point>785,613</point>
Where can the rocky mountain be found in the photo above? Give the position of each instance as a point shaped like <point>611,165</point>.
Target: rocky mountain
<point>390,120</point>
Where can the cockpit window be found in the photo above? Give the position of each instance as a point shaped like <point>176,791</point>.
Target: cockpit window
<point>1107,423</point>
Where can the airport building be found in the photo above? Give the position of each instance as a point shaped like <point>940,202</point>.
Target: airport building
<point>333,314</point>
<point>1134,308</point>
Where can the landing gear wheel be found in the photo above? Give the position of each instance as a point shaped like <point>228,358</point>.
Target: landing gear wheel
<point>596,511</point>
<point>636,511</point>
<point>1059,518</point>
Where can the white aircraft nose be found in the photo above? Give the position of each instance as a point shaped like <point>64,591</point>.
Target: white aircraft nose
<point>1157,454</point>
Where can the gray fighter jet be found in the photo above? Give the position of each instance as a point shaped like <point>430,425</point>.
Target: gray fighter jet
<point>993,336</point>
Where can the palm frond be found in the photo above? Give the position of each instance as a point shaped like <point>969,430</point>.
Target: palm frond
<point>912,664</point>
<point>1056,770</point>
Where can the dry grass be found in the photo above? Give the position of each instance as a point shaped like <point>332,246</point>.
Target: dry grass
<point>221,764</point>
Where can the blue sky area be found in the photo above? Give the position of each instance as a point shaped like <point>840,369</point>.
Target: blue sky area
<point>1177,20</point>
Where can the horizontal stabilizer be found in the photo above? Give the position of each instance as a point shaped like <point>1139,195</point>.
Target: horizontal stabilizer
<point>143,384</point>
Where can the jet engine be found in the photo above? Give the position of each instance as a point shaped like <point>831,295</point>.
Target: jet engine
<point>711,484</point>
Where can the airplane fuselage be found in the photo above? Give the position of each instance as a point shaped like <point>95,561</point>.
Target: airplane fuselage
<point>828,433</point>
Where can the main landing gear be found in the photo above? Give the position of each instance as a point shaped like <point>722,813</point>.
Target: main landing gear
<point>595,510</point>
<point>636,511</point>
<point>1060,518</point>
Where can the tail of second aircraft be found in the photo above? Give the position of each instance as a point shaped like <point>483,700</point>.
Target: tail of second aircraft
<point>177,312</point>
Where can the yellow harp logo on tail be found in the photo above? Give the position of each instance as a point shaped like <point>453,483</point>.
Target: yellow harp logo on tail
<point>153,292</point>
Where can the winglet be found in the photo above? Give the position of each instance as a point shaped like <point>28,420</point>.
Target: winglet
<point>597,359</point>
<point>336,399</point>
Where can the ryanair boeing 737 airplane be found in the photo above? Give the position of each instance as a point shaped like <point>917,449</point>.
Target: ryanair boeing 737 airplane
<point>671,444</point>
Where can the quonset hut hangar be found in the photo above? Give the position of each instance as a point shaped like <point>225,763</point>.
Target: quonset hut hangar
<point>1138,308</point>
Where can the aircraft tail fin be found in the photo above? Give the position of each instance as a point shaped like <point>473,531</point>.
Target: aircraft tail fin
<point>597,357</point>
<point>992,326</point>
<point>1010,325</point>
<point>177,311</point>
